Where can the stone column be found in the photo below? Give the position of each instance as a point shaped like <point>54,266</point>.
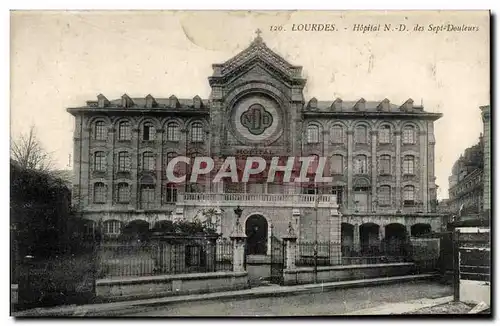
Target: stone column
<point>381,236</point>
<point>159,167</point>
<point>110,161</point>
<point>135,157</point>
<point>356,239</point>
<point>335,243</point>
<point>349,191</point>
<point>291,247</point>
<point>238,237</point>
<point>296,221</point>
<point>373,171</point>
<point>423,170</point>
<point>397,135</point>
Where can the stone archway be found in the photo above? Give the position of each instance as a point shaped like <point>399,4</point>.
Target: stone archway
<point>395,241</point>
<point>420,229</point>
<point>369,239</point>
<point>256,230</point>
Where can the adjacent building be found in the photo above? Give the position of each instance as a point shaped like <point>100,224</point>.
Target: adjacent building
<point>381,158</point>
<point>469,183</point>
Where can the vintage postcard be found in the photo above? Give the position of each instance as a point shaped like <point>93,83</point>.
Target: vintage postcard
<point>250,163</point>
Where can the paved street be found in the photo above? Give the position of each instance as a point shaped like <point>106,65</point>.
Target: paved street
<point>326,303</point>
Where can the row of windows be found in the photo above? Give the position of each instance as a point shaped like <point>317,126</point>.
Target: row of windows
<point>148,161</point>
<point>360,134</point>
<point>360,164</point>
<point>147,194</point>
<point>148,131</point>
<point>384,195</point>
<point>122,193</point>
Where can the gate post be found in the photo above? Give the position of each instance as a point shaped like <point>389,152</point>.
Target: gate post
<point>291,247</point>
<point>239,238</point>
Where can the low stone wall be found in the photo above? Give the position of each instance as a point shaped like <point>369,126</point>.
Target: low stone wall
<point>305,275</point>
<point>167,285</point>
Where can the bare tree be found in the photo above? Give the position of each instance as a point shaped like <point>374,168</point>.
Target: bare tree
<point>29,153</point>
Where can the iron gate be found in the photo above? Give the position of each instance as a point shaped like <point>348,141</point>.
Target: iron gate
<point>277,260</point>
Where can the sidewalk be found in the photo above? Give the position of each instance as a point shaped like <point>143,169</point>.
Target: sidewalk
<point>118,308</point>
<point>398,308</point>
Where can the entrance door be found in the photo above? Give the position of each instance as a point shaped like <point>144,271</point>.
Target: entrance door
<point>256,232</point>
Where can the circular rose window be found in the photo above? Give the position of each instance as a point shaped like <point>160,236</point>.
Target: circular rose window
<point>256,119</point>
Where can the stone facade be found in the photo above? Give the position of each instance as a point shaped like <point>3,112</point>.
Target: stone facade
<point>485,112</point>
<point>382,155</point>
<point>469,183</point>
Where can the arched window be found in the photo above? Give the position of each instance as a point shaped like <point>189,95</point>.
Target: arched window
<point>112,227</point>
<point>337,134</point>
<point>100,161</point>
<point>196,132</point>
<point>360,165</point>
<point>409,165</point>
<point>384,134</point>
<point>409,195</point>
<point>148,131</point>
<point>124,131</point>
<point>409,135</point>
<point>312,134</point>
<point>99,193</point>
<point>337,164</point>
<point>385,165</point>
<point>384,195</point>
<point>148,161</point>
<point>147,193</point>
<point>173,131</point>
<point>100,131</point>
<point>123,162</point>
<point>123,192</point>
<point>360,135</point>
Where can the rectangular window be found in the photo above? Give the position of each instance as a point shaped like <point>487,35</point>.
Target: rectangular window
<point>360,165</point>
<point>123,162</point>
<point>385,135</point>
<point>124,131</point>
<point>361,200</point>
<point>123,193</point>
<point>385,165</point>
<point>99,193</point>
<point>408,136</point>
<point>147,197</point>
<point>338,191</point>
<point>384,196</point>
<point>337,135</point>
<point>337,164</point>
<point>100,161</point>
<point>408,165</point>
<point>170,194</point>
<point>360,135</point>
<point>148,162</point>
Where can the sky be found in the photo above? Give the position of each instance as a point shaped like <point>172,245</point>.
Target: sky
<point>62,59</point>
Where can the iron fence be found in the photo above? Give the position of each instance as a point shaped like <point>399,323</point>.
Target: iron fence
<point>148,258</point>
<point>317,253</point>
<point>333,253</point>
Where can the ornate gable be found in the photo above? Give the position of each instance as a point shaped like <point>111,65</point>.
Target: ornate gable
<point>259,53</point>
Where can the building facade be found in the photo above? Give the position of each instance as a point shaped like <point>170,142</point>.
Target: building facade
<point>381,157</point>
<point>485,114</point>
<point>466,182</point>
